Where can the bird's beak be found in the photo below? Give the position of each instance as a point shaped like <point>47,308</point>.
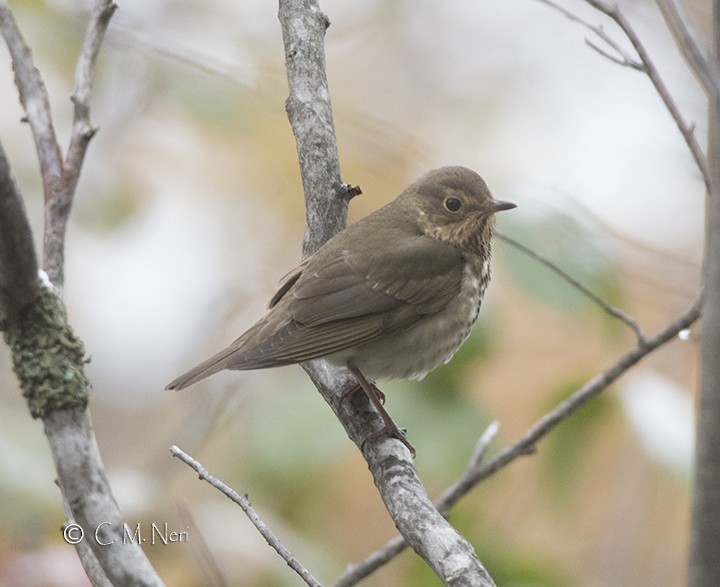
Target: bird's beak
<point>500,205</point>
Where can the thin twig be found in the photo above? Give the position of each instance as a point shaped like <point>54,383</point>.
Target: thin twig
<point>686,130</point>
<point>612,310</point>
<point>83,130</point>
<point>645,65</point>
<point>483,444</point>
<point>244,503</point>
<point>592,388</point>
<point>622,58</point>
<point>34,98</point>
<point>691,45</point>
<point>60,200</point>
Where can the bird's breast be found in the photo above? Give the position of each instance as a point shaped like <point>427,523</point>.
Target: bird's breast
<point>414,352</point>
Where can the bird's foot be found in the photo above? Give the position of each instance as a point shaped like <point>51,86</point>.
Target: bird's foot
<point>377,392</point>
<point>390,429</point>
<point>377,399</point>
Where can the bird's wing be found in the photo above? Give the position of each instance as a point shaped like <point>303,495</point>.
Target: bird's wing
<point>418,274</point>
<point>338,302</point>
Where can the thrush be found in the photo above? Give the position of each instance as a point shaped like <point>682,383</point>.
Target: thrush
<point>392,296</point>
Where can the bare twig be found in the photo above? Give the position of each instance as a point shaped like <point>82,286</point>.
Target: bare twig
<point>686,130</point>
<point>592,388</point>
<point>691,45</point>
<point>645,65</point>
<point>83,130</point>
<point>35,100</point>
<point>483,444</point>
<point>621,57</point>
<point>613,311</point>
<point>242,500</point>
<point>59,177</point>
<point>60,200</point>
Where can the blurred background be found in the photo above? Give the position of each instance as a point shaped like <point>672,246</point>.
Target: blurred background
<point>189,210</point>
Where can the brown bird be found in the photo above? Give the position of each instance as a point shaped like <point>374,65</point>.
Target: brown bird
<point>392,296</point>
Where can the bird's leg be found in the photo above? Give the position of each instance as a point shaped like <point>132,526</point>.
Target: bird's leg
<point>375,389</point>
<point>377,398</point>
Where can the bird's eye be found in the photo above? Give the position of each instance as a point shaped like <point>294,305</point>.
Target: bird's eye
<point>452,204</point>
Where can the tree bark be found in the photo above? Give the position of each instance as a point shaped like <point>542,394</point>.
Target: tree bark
<point>704,564</point>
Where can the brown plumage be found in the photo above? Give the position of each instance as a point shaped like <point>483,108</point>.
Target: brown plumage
<point>393,295</point>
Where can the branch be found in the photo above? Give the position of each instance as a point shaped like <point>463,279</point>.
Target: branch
<point>612,310</point>
<point>83,130</point>
<point>19,284</point>
<point>686,130</point>
<point>310,113</point>
<point>645,65</point>
<point>703,562</point>
<point>526,445</point>
<point>476,472</point>
<point>48,357</point>
<point>450,556</point>
<point>59,201</point>
<point>35,101</point>
<point>356,573</point>
<point>86,490</point>
<point>242,500</point>
<point>691,45</point>
<point>59,178</point>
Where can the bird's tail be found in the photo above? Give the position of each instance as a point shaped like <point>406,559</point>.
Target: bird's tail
<point>216,363</point>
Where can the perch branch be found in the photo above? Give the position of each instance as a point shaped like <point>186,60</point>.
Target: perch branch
<point>476,472</point>
<point>450,556</point>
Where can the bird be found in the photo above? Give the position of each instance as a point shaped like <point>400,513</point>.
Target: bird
<point>392,296</point>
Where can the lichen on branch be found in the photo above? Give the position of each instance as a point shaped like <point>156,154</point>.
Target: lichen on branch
<point>48,357</point>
